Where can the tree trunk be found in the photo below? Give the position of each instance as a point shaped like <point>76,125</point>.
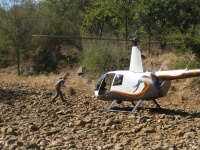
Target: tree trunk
<point>18,62</point>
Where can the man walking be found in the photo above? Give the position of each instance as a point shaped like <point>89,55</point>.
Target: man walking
<point>58,86</point>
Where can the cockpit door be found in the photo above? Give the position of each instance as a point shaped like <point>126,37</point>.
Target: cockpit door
<point>104,83</point>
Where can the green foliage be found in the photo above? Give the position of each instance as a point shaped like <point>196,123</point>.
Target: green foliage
<point>177,38</point>
<point>72,91</point>
<point>101,59</point>
<point>71,58</point>
<point>159,19</point>
<point>114,16</point>
<point>44,60</point>
<point>180,40</point>
<point>193,44</point>
<point>61,17</point>
<point>187,43</point>
<point>184,60</point>
<point>152,20</point>
<point>181,64</point>
<point>3,61</point>
<point>16,24</point>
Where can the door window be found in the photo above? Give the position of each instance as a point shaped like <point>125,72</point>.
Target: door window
<point>118,80</point>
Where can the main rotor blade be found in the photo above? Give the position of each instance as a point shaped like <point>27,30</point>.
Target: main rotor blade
<point>105,39</point>
<point>77,37</point>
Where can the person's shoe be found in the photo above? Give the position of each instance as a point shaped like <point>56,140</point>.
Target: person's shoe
<point>63,100</point>
<point>52,101</point>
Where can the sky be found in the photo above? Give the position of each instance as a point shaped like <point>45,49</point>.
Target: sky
<point>9,3</point>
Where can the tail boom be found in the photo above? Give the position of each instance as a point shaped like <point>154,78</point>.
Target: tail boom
<point>177,74</point>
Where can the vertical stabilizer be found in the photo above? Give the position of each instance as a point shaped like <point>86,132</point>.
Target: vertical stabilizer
<point>136,59</point>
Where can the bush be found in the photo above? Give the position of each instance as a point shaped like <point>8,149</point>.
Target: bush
<point>44,60</point>
<point>193,44</point>
<point>101,59</point>
<point>187,47</point>
<point>69,59</point>
<point>4,62</point>
<point>187,43</point>
<point>183,61</point>
<point>72,91</point>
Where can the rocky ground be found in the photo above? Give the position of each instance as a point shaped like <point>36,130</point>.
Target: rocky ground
<point>29,121</point>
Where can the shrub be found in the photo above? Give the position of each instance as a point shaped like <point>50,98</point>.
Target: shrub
<point>187,43</point>
<point>188,46</point>
<point>4,62</point>
<point>72,91</point>
<point>44,60</point>
<point>184,60</point>
<point>101,59</point>
<point>69,59</point>
<point>194,45</point>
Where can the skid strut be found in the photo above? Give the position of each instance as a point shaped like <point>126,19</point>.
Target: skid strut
<point>137,105</point>
<point>156,103</point>
<point>111,105</point>
<point>134,109</point>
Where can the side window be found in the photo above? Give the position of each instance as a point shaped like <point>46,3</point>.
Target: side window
<point>118,79</point>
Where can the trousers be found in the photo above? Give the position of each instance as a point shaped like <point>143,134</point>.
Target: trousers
<point>59,93</point>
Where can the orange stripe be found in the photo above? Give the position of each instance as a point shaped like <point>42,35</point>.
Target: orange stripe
<point>166,75</point>
<point>195,72</point>
<point>138,95</point>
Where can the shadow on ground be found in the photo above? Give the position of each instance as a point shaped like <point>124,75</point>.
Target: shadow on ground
<point>158,111</point>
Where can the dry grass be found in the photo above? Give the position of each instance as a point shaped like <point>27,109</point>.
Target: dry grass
<point>86,84</point>
<point>165,61</point>
<point>9,75</point>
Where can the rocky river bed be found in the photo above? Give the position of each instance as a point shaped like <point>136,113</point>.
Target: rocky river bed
<point>29,121</point>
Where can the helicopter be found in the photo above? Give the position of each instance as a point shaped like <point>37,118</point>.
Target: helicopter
<point>134,84</point>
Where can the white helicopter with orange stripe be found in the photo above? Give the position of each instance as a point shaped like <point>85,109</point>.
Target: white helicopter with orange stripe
<point>135,84</point>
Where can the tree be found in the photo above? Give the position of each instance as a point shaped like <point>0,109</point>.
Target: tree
<point>16,28</point>
<point>110,15</point>
<point>160,19</point>
<point>58,17</point>
<point>61,17</point>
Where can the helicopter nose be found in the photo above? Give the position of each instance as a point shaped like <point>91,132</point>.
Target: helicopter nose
<point>96,93</point>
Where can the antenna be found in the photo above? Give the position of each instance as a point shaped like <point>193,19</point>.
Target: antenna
<point>162,65</point>
<point>189,62</point>
<point>150,66</point>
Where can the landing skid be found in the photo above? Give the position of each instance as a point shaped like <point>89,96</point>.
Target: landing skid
<point>133,110</point>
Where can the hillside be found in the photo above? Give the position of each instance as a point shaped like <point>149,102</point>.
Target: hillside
<point>29,121</point>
